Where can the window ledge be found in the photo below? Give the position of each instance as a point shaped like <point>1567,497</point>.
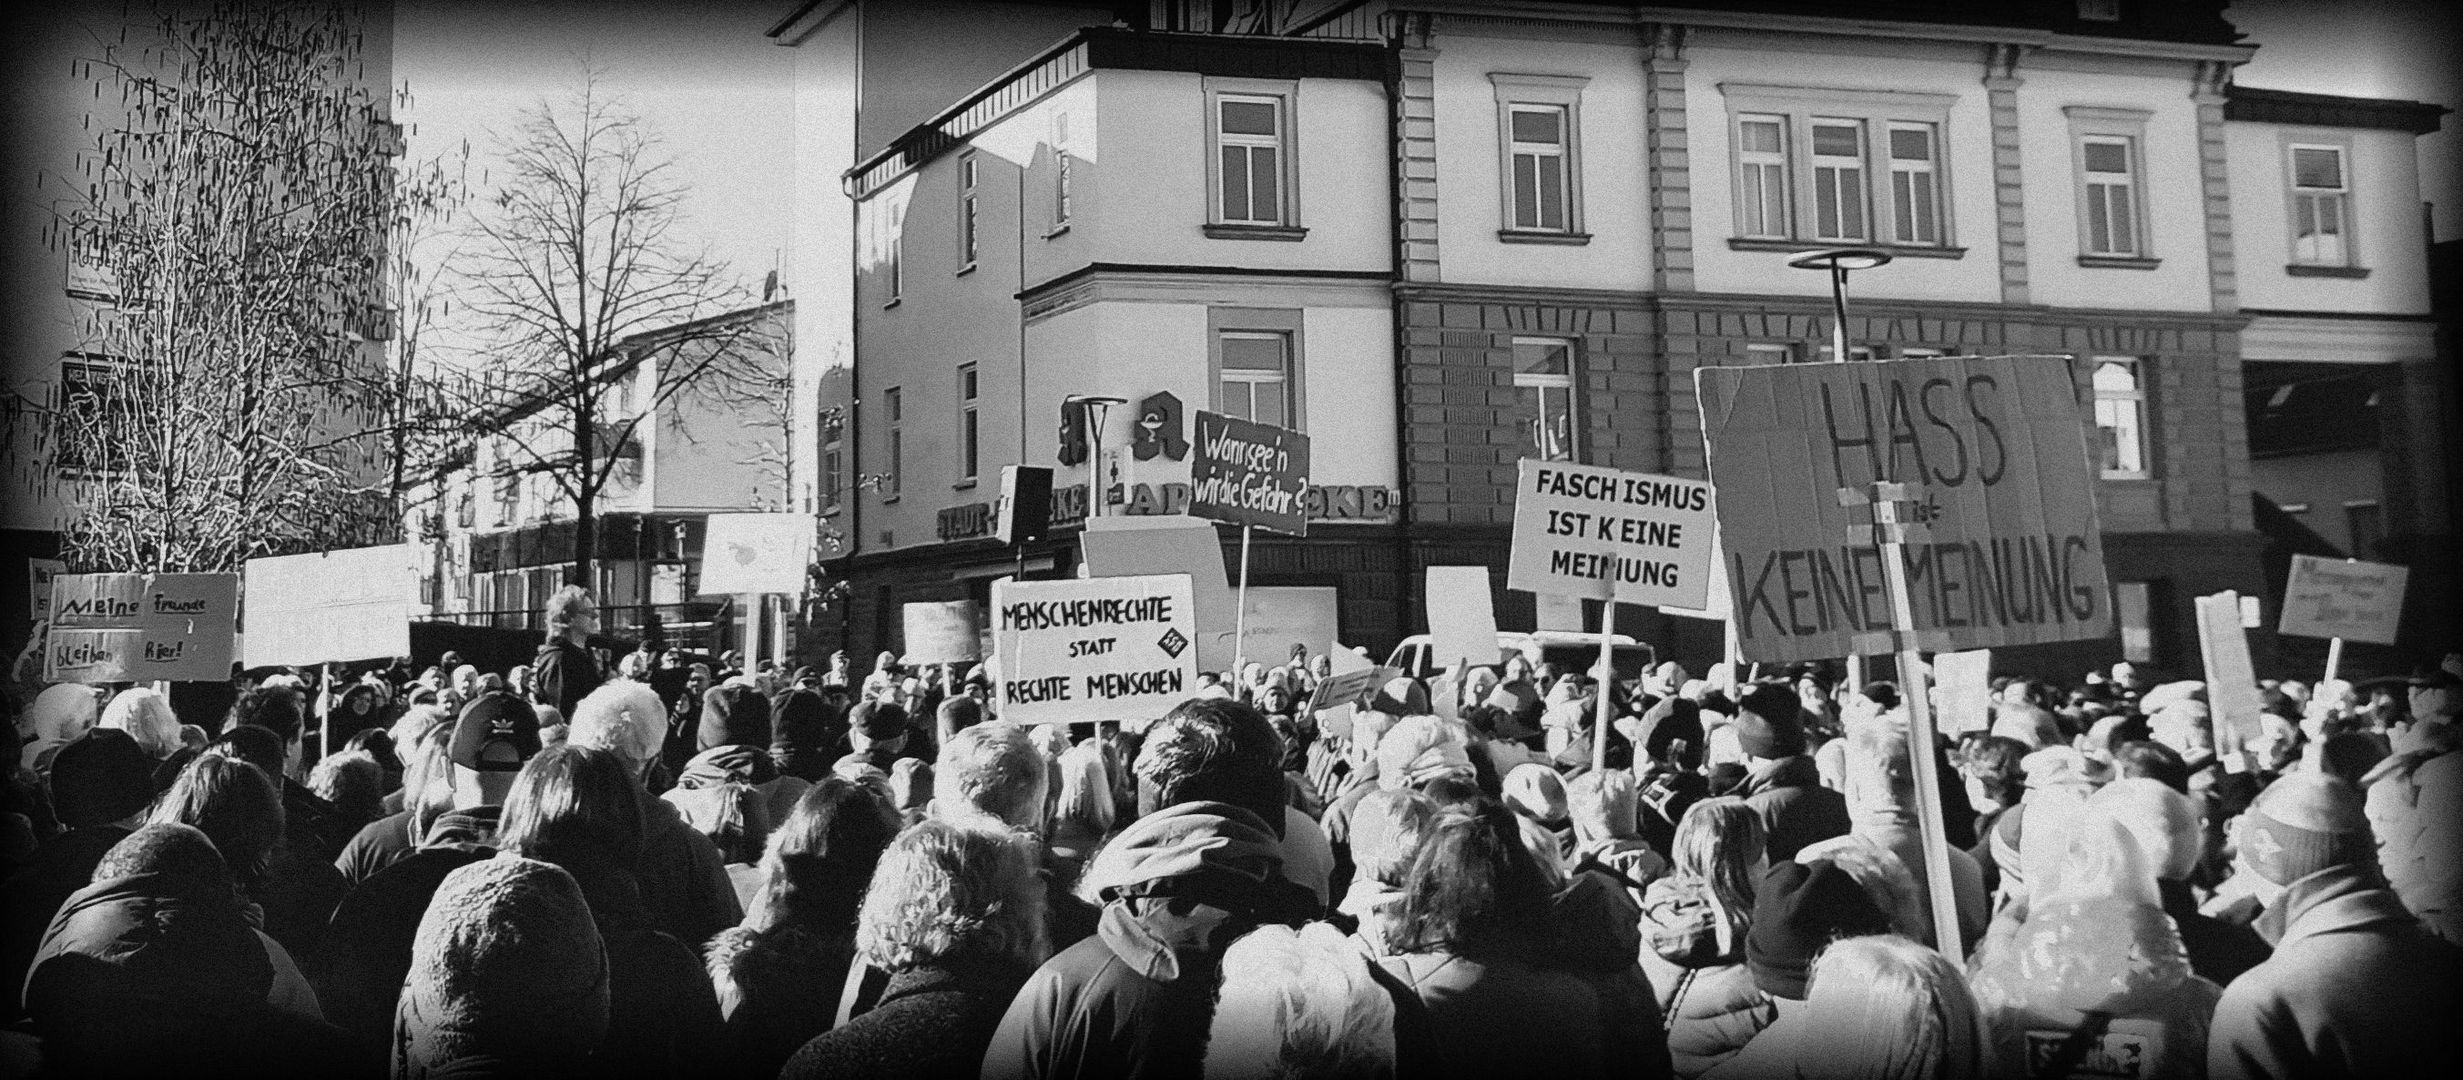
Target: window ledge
<point>888,499</point>
<point>893,302</point>
<point>964,270</point>
<point>1903,251</point>
<point>1255,232</point>
<point>2305,270</point>
<point>1533,236</point>
<point>967,484</point>
<point>2118,262</point>
<point>1061,229</point>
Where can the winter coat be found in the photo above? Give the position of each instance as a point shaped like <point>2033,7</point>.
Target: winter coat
<point>1597,939</point>
<point>663,1017</point>
<point>367,950</point>
<point>777,989</point>
<point>379,844</point>
<point>1706,994</point>
<point>931,1022</point>
<point>2094,988</point>
<point>683,877</point>
<point>63,865</point>
<point>1796,809</point>
<point>2218,951</point>
<point>1506,1017</point>
<point>1898,833</point>
<point>562,674</point>
<point>2357,987</point>
<point>2416,809</point>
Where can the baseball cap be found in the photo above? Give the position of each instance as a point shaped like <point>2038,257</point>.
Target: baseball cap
<point>496,733</point>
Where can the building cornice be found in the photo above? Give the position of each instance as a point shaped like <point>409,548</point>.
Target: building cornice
<point>2259,105</point>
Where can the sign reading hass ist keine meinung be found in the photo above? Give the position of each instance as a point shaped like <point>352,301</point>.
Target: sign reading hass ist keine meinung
<point>1587,531</point>
<point>1249,474</point>
<point>1107,648</point>
<point>1994,450</point>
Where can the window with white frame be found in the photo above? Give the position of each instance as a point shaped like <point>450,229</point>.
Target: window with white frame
<point>969,434</point>
<point>1544,391</point>
<point>2109,169</point>
<point>1838,180</point>
<point>1536,136</point>
<point>1060,171</point>
<point>1249,159</point>
<point>2120,417</point>
<point>833,458</point>
<point>1915,184</point>
<point>1539,157</point>
<point>893,403</point>
<point>2321,206</point>
<point>969,214</point>
<point>1762,182</point>
<point>1255,378</point>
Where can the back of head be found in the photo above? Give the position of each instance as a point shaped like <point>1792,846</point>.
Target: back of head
<point>507,966</point>
<point>273,706</point>
<point>1887,1008</point>
<point>1770,721</point>
<point>1085,806</point>
<point>101,777</point>
<point>1604,805</point>
<point>1213,750</point>
<point>1536,791</point>
<point>622,718</point>
<point>258,746</point>
<point>1799,910</point>
<point>1474,889</point>
<point>1387,829</point>
<point>234,804</point>
<point>1299,1002</point>
<point>574,806</point>
<point>995,770</point>
<point>1420,749</point>
<point>819,859</point>
<point>733,715</point>
<point>171,848</point>
<point>1721,843</point>
<point>352,781</point>
<point>147,717</point>
<point>2305,823</point>
<point>2153,760</point>
<point>61,712</point>
<point>2163,821</point>
<point>952,892</point>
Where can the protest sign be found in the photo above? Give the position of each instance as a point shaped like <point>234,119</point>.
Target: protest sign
<point>2004,547</point>
<point>2231,680</point>
<point>1126,546</point>
<point>1965,682</point>
<point>1343,660</point>
<point>141,627</point>
<point>1249,474</point>
<point>1718,606</point>
<point>331,606</point>
<point>1462,617</point>
<point>941,633</point>
<point>2343,598</point>
<point>1586,531</point>
<point>1355,688</point>
<point>755,553</point>
<point>1091,649</point>
<point>1281,616</point>
<point>39,573</point>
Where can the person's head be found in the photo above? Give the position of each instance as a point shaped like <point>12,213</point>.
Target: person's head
<point>733,715</point>
<point>1886,1008</point>
<point>877,727</point>
<point>2152,760</point>
<point>1474,890</point>
<point>147,717</point>
<point>276,707</point>
<point>624,719</point>
<point>1799,909</point>
<point>101,778</point>
<point>518,680</point>
<point>1536,792</point>
<point>819,859</point>
<point>1604,805</point>
<point>1721,843</point>
<point>2304,823</point>
<point>1299,1003</point>
<point>427,761</point>
<point>572,614</point>
<point>1387,829</point>
<point>1989,766</point>
<point>573,806</point>
<point>954,892</point>
<point>1419,749</point>
<point>466,681</point>
<point>353,782</point>
<point>1770,721</point>
<point>993,770</point>
<point>507,965</point>
<point>60,713</point>
<point>1084,806</point>
<point>492,737</point>
<point>1213,751</point>
<point>2435,694</point>
<point>165,848</point>
<point>234,804</point>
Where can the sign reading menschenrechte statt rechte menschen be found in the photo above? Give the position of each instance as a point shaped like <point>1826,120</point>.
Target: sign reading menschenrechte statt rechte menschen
<point>1587,531</point>
<point>1117,648</point>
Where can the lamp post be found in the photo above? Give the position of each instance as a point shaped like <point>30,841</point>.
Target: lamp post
<point>1839,261</point>
<point>1098,407</point>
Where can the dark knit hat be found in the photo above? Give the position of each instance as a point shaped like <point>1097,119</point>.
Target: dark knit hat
<point>734,715</point>
<point>960,713</point>
<point>506,964</point>
<point>801,719</point>
<point>491,721</point>
<point>1671,719</point>
<point>100,777</point>
<point>1798,910</point>
<point>1770,721</point>
<point>2302,823</point>
<point>878,720</point>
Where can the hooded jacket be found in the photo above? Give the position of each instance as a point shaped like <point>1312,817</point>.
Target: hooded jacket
<point>1706,994</point>
<point>1796,809</point>
<point>2416,810</point>
<point>2327,1003</point>
<point>358,972</point>
<point>683,877</point>
<point>508,977</point>
<point>697,791</point>
<point>2082,984</point>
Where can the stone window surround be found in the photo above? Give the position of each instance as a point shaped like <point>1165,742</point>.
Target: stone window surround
<point>1877,109</point>
<point>2089,121</point>
<point>1558,90</point>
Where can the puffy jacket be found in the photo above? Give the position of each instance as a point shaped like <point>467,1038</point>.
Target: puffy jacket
<point>1796,809</point>
<point>2093,988</point>
<point>2416,809</point>
<point>1706,994</point>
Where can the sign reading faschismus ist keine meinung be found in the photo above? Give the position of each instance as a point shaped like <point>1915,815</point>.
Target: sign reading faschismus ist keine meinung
<point>1249,474</point>
<point>1587,531</point>
<point>1113,648</point>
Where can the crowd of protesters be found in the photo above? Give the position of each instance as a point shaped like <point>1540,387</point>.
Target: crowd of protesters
<point>644,868</point>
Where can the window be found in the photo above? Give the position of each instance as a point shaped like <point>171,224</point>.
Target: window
<point>1060,171</point>
<point>1772,352</point>
<point>1249,159</point>
<point>1838,180</point>
<point>1256,376</point>
<point>2099,10</point>
<point>894,403</point>
<point>2112,201</point>
<point>969,442</point>
<point>2120,417</point>
<point>833,458</point>
<point>1537,136</point>
<point>1539,159</point>
<point>2133,606</point>
<point>1762,184</point>
<point>1826,354</point>
<point>969,239</point>
<point>894,252</point>
<point>1544,391</point>
<point>2321,211</point>
<point>1915,189</point>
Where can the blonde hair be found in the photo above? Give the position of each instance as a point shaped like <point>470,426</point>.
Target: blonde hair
<point>147,717</point>
<point>1085,798</point>
<point>948,890</point>
<point>1605,805</point>
<point>1299,1003</point>
<point>625,718</point>
<point>1886,1008</point>
<point>1717,843</point>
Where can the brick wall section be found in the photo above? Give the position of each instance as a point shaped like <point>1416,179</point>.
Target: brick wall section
<point>1671,160</point>
<point>2001,83</point>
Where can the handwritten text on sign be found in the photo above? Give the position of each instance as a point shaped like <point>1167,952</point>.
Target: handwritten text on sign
<point>1582,530</point>
<point>2345,598</point>
<point>1249,474</point>
<point>141,627</point>
<point>1115,648</point>
<point>1995,451</point>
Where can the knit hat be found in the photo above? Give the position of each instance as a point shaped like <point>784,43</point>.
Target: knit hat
<point>1419,749</point>
<point>507,965</point>
<point>1671,719</point>
<point>495,721</point>
<point>2302,823</point>
<point>2164,822</point>
<point>878,720</point>
<point>1537,792</point>
<point>101,777</point>
<point>802,728</point>
<point>1520,700</point>
<point>733,715</point>
<point>1798,910</point>
<point>1401,697</point>
<point>1770,722</point>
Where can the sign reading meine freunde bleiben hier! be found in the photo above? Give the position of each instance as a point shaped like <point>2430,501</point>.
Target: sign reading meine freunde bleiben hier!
<point>1581,530</point>
<point>1112,648</point>
<point>1249,474</point>
<point>1994,452</point>
<point>141,627</point>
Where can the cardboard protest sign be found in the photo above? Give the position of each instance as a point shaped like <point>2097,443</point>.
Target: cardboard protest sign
<point>1718,607</point>
<point>141,627</point>
<point>2231,680</point>
<point>1964,682</point>
<point>1343,660</point>
<point>1249,474</point>
<point>1586,531</point>
<point>331,606</point>
<point>1994,450</point>
<point>755,553</point>
<point>1125,546</point>
<point>2343,598</point>
<point>1111,648</point>
<point>941,633</point>
<point>1355,688</point>
<point>1462,616</point>
<point>39,573</point>
<point>1281,616</point>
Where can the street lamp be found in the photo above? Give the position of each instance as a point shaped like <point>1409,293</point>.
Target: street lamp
<point>1098,407</point>
<point>1839,261</point>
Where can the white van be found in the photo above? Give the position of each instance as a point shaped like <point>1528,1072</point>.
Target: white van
<point>1568,650</point>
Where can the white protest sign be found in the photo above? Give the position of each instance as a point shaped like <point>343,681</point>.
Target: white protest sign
<point>755,553</point>
<point>1721,605</point>
<point>1462,617</point>
<point>141,627</point>
<point>331,606</point>
<point>1964,682</point>
<point>2343,598</point>
<point>941,633</point>
<point>39,573</point>
<point>1092,649</point>
<point>1281,616</point>
<point>1343,660</point>
<point>1582,530</point>
<point>2231,680</point>
<point>1134,546</point>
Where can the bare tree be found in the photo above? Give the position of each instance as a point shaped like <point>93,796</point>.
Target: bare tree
<point>576,274</point>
